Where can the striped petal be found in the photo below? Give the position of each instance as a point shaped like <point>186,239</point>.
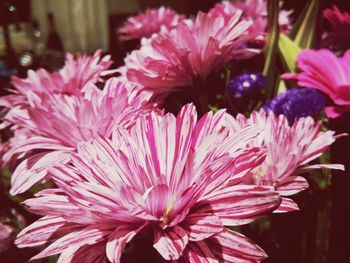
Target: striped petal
<point>34,169</point>
<point>170,242</point>
<point>47,229</point>
<point>118,239</point>
<point>85,254</point>
<point>287,205</point>
<point>241,204</point>
<point>292,185</point>
<point>200,226</point>
<point>87,236</point>
<point>198,252</point>
<point>229,246</point>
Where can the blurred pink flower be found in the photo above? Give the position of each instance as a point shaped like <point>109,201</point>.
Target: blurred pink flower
<point>340,26</point>
<point>323,70</point>
<point>54,131</point>
<point>7,236</point>
<point>289,150</point>
<point>188,53</point>
<point>168,177</point>
<point>71,79</point>
<point>253,10</point>
<point>149,22</point>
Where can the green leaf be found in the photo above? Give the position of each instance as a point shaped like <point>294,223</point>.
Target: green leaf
<point>271,47</point>
<point>288,51</point>
<point>282,87</point>
<point>305,29</point>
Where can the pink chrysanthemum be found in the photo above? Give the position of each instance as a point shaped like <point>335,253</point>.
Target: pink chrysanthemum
<point>187,53</point>
<point>340,26</point>
<point>51,132</point>
<point>323,70</point>
<point>168,178</point>
<point>253,10</point>
<point>149,22</point>
<point>289,150</point>
<point>71,79</point>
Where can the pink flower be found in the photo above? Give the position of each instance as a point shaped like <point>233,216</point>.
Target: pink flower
<point>168,178</point>
<point>253,10</point>
<point>289,150</point>
<point>189,52</point>
<point>340,26</point>
<point>149,22</point>
<point>7,236</point>
<point>71,79</point>
<point>53,131</point>
<point>323,70</point>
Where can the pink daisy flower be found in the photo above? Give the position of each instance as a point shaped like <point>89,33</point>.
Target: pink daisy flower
<point>289,150</point>
<point>253,10</point>
<point>149,22</point>
<point>340,26</point>
<point>323,70</point>
<point>189,52</point>
<point>167,178</point>
<point>51,132</point>
<point>71,79</point>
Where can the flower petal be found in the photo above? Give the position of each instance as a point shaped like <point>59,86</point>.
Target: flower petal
<point>86,236</point>
<point>34,169</point>
<point>85,254</point>
<point>170,242</point>
<point>45,230</point>
<point>118,239</point>
<point>229,246</point>
<point>198,252</point>
<point>240,204</point>
<point>156,200</point>
<point>292,185</point>
<point>287,205</point>
<point>200,226</point>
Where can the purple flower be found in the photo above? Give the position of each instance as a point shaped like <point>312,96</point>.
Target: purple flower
<point>247,86</point>
<point>296,103</point>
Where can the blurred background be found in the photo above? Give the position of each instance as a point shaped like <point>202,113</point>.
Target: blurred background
<point>37,33</point>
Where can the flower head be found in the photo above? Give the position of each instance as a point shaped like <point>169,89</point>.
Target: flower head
<point>167,177</point>
<point>253,10</point>
<point>323,70</point>
<point>191,51</point>
<point>76,74</point>
<point>289,150</point>
<point>296,103</point>
<point>340,26</point>
<point>54,130</point>
<point>247,86</point>
<point>149,22</point>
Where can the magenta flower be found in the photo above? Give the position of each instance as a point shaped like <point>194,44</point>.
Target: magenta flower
<point>189,52</point>
<point>71,79</point>
<point>169,178</point>
<point>340,26</point>
<point>289,150</point>
<point>149,22</point>
<point>53,131</point>
<point>323,70</point>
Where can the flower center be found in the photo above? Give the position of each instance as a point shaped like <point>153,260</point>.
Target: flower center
<point>259,174</point>
<point>168,208</point>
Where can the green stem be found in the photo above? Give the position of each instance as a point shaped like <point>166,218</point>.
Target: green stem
<point>202,98</point>
<point>203,102</point>
<point>271,46</point>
